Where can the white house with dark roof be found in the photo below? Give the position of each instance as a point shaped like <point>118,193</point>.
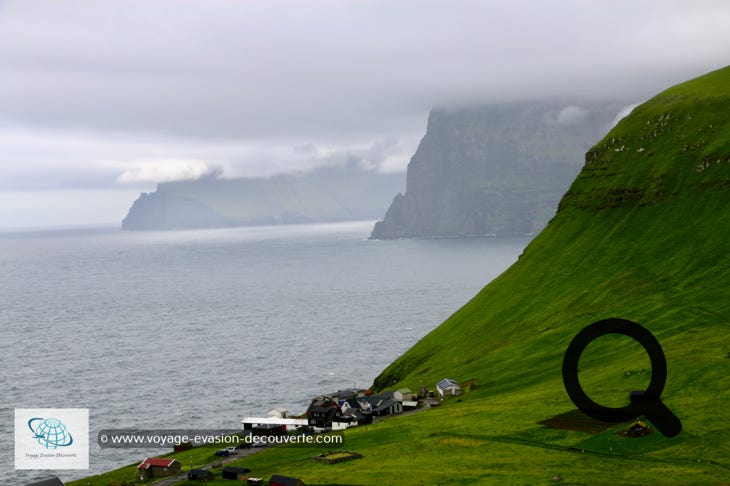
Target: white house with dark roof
<point>448,387</point>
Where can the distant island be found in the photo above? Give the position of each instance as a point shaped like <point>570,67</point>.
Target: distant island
<point>344,193</point>
<point>495,170</point>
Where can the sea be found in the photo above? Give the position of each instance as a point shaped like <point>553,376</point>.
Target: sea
<point>198,329</point>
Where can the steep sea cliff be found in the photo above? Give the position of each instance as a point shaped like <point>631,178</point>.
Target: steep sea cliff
<point>494,170</point>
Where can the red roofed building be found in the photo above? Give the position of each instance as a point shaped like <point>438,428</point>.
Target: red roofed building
<point>154,467</point>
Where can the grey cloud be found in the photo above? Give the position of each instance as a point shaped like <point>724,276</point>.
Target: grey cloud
<point>87,160</point>
<point>273,70</point>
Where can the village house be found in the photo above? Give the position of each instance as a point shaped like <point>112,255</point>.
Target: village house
<point>448,387</point>
<point>351,419</point>
<point>322,411</point>
<point>154,467</point>
<point>385,405</point>
<point>248,423</point>
<point>388,407</point>
<point>404,396</point>
<point>344,422</point>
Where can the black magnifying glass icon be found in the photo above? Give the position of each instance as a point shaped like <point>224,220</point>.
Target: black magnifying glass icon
<point>647,402</point>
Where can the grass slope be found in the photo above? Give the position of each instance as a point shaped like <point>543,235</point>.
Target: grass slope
<point>643,234</point>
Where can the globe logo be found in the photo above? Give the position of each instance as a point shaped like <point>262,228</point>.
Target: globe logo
<point>50,432</point>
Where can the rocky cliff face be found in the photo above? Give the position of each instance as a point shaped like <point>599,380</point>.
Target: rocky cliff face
<point>494,170</point>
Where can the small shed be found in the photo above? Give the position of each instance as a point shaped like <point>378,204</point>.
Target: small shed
<point>448,387</point>
<point>278,480</point>
<point>157,467</point>
<point>403,394</point>
<point>48,482</point>
<point>233,472</point>
<point>200,475</point>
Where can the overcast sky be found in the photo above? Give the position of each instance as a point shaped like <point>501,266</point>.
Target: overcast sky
<point>101,100</point>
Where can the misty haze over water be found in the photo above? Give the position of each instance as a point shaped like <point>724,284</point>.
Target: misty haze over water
<point>197,329</point>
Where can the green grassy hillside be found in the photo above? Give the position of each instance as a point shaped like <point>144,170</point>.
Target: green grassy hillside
<point>642,234</point>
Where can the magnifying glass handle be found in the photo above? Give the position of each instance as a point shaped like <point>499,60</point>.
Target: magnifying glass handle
<point>658,414</point>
